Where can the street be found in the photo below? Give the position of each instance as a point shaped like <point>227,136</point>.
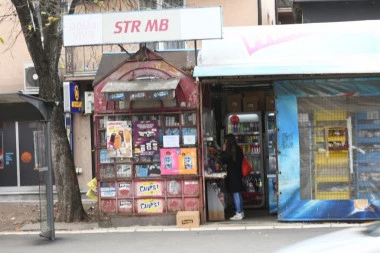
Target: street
<point>257,240</point>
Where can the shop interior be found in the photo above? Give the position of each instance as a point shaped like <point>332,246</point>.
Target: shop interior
<point>247,111</point>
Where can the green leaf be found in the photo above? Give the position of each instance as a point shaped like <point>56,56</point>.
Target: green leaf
<point>52,19</point>
<point>1,40</point>
<point>30,27</point>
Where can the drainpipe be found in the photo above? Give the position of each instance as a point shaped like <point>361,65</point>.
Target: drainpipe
<point>276,11</point>
<point>259,21</point>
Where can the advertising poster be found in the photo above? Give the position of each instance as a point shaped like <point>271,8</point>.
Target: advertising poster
<point>169,161</point>
<point>178,161</point>
<point>145,136</point>
<point>107,189</point>
<point>124,189</point>
<point>149,188</point>
<point>119,141</point>
<point>187,161</point>
<point>124,206</point>
<point>150,205</point>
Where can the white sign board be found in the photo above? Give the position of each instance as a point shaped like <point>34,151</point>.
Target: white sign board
<point>142,26</point>
<point>317,48</point>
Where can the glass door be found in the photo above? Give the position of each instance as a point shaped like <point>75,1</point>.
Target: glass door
<point>271,160</point>
<point>247,129</point>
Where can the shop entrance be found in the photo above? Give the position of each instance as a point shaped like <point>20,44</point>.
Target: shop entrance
<point>246,111</point>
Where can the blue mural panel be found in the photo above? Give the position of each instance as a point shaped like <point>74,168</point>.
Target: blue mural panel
<point>290,205</point>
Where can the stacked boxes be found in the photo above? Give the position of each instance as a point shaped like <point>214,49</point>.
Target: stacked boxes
<point>251,102</point>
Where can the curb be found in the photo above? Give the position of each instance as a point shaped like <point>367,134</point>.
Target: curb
<point>75,228</point>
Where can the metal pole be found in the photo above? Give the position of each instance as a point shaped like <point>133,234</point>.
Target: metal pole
<point>49,183</point>
<point>196,53</point>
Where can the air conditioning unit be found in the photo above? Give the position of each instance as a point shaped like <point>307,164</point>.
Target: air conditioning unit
<point>88,102</point>
<point>31,81</point>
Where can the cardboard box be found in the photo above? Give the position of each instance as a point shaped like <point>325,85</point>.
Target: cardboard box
<point>250,104</point>
<point>269,103</point>
<point>260,97</point>
<point>187,219</point>
<point>234,103</point>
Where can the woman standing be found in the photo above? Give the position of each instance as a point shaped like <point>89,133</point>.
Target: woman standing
<point>232,155</point>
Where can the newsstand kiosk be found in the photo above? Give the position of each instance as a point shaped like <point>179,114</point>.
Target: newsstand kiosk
<point>323,134</point>
<point>146,140</point>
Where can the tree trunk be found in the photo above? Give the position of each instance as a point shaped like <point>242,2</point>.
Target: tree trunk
<point>69,206</point>
<point>45,55</point>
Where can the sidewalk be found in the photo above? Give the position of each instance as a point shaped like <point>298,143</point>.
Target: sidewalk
<point>94,227</point>
<point>259,221</point>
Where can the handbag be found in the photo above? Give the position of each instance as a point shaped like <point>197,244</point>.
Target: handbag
<point>246,168</point>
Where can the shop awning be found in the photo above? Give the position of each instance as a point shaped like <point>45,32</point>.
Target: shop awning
<point>141,89</point>
<point>320,48</point>
<point>23,107</point>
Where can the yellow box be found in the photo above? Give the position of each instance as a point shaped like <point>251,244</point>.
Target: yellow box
<point>187,219</point>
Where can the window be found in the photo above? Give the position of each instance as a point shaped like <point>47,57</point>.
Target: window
<point>162,4</point>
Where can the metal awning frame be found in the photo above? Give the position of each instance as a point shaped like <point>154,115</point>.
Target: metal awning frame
<point>36,109</point>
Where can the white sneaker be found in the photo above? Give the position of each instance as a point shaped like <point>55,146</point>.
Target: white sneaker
<point>242,214</point>
<point>237,216</point>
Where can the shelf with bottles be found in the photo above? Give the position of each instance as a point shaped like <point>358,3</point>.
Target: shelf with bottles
<point>244,124</point>
<point>172,120</point>
<point>367,186</point>
<point>368,170</point>
<point>189,119</point>
<point>253,183</point>
<point>244,128</point>
<point>369,177</point>
<point>251,148</point>
<point>367,153</point>
<point>368,127</point>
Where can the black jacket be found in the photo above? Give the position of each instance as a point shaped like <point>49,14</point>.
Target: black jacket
<point>234,177</point>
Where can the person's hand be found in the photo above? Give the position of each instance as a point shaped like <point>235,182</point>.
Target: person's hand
<point>224,146</point>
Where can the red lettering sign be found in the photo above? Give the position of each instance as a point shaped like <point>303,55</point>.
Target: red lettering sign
<point>134,27</point>
<point>164,25</point>
<point>151,25</point>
